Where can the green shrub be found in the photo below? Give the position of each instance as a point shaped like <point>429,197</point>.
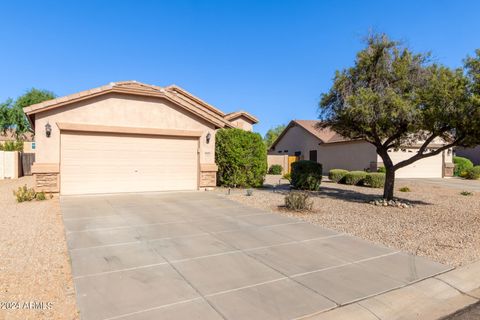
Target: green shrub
<point>466,193</point>
<point>382,169</point>
<point>40,196</point>
<point>306,175</point>
<point>241,157</point>
<point>473,173</point>
<point>287,176</point>
<point>11,146</point>
<point>298,201</point>
<point>461,166</point>
<point>375,180</point>
<point>356,178</point>
<point>275,169</point>
<point>337,175</point>
<point>404,189</point>
<point>24,194</point>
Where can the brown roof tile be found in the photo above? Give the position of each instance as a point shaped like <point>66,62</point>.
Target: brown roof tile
<point>172,93</point>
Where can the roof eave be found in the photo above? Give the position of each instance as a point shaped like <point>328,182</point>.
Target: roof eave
<point>36,108</point>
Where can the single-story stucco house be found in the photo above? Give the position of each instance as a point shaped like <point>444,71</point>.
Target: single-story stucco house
<point>470,153</point>
<point>303,139</point>
<point>127,137</point>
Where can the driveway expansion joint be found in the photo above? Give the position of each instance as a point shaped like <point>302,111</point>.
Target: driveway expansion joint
<point>151,260</point>
<point>453,287</point>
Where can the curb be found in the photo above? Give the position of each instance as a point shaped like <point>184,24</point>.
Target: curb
<point>432,298</point>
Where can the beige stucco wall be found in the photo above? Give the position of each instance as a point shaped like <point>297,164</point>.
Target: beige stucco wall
<point>294,140</point>
<point>350,155</point>
<point>355,155</point>
<point>282,160</point>
<point>119,110</point>
<point>27,147</point>
<point>242,123</point>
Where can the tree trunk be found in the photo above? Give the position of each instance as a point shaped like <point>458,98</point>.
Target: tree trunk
<point>389,183</point>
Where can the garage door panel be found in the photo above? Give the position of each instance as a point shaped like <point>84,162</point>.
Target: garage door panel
<point>107,163</point>
<point>430,167</point>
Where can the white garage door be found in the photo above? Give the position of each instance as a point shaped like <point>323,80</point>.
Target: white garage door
<point>110,163</point>
<point>430,167</point>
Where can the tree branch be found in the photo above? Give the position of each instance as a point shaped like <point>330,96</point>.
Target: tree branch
<point>422,155</point>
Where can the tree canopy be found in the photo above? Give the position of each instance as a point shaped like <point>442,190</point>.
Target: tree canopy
<point>394,97</point>
<point>12,116</point>
<point>272,135</point>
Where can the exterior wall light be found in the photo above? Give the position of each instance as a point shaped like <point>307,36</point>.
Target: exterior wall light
<point>208,137</point>
<point>48,130</point>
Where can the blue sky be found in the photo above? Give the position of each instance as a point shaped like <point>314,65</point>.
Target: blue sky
<point>271,58</point>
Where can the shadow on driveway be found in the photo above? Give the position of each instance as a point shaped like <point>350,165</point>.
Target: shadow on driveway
<point>330,190</point>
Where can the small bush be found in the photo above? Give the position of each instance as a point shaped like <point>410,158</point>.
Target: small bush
<point>275,169</point>
<point>382,169</point>
<point>241,157</point>
<point>356,178</point>
<point>24,194</point>
<point>11,146</point>
<point>473,173</point>
<point>337,175</point>
<point>466,193</point>
<point>461,166</point>
<point>306,175</point>
<point>287,176</point>
<point>375,180</point>
<point>404,189</point>
<point>40,196</point>
<point>298,201</point>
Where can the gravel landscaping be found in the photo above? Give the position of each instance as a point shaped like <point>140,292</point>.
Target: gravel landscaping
<point>35,275</point>
<point>443,225</point>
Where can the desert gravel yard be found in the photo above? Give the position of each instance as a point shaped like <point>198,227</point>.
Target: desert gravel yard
<point>443,226</point>
<point>35,276</point>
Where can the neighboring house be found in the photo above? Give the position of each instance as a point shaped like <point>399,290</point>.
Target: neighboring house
<point>27,138</point>
<point>302,138</point>
<point>471,153</point>
<point>126,137</point>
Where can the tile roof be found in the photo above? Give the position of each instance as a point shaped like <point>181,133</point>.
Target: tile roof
<point>172,93</point>
<point>233,115</point>
<point>325,135</point>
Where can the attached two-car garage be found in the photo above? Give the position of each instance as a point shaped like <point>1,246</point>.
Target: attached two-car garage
<point>93,162</point>
<point>125,137</point>
<point>431,167</point>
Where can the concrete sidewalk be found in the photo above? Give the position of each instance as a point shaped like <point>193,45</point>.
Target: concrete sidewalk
<point>432,298</point>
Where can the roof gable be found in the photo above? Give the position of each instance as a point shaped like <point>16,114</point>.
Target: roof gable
<point>134,88</point>
<point>324,135</point>
<point>239,114</point>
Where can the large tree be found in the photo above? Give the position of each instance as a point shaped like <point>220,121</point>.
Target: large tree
<point>12,116</point>
<point>272,135</point>
<point>395,98</point>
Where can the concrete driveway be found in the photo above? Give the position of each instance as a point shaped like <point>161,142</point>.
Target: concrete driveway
<point>199,255</point>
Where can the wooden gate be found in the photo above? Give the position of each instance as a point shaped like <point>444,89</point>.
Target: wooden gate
<point>291,159</point>
<point>27,160</point>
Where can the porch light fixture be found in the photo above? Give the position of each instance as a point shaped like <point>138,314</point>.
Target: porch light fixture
<point>207,137</point>
<point>48,130</point>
